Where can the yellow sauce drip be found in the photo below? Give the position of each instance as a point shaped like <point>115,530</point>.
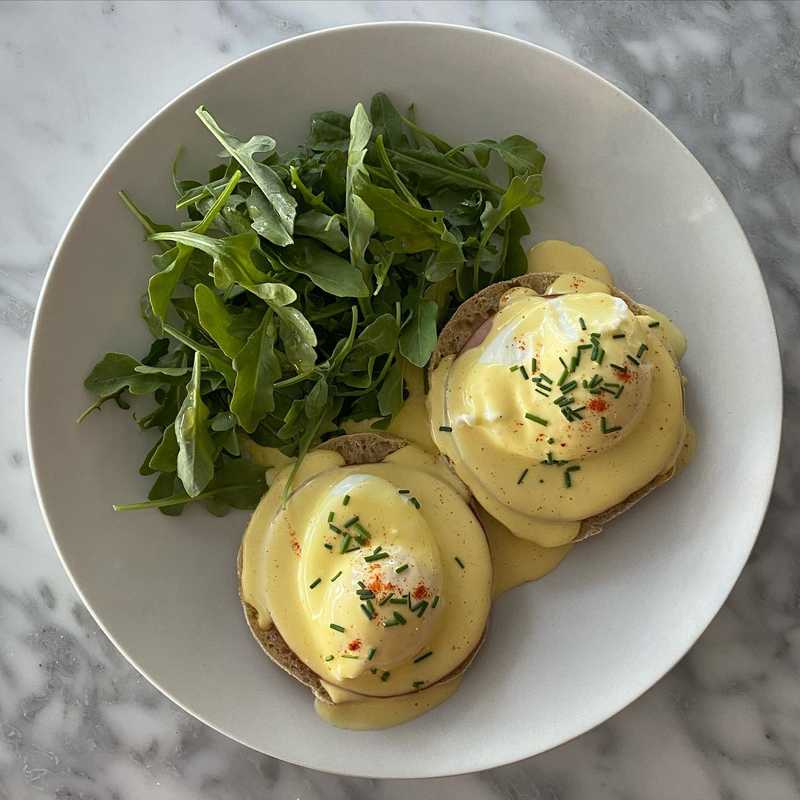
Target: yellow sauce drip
<point>371,715</point>
<point>556,256</point>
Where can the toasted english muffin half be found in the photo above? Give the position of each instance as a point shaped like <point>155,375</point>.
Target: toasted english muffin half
<point>356,448</point>
<point>480,308</point>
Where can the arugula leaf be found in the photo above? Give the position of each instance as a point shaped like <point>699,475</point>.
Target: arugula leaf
<point>520,153</point>
<point>257,369</point>
<point>360,220</point>
<point>378,338</point>
<point>387,121</point>
<point>216,320</point>
<point>390,395</point>
<point>275,193</point>
<point>414,229</point>
<point>298,338</point>
<point>330,130</point>
<point>418,338</point>
<point>516,262</point>
<point>216,358</point>
<point>117,371</point>
<point>435,171</point>
<point>326,228</point>
<point>329,272</point>
<point>521,193</point>
<point>195,460</point>
<point>314,201</point>
<point>165,455</point>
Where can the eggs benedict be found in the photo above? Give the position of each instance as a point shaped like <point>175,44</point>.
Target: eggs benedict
<point>558,400</point>
<point>371,583</point>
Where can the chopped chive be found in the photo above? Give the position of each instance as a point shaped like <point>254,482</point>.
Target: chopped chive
<point>361,584</point>
<point>423,656</point>
<point>618,368</point>
<point>563,377</point>
<point>371,607</point>
<point>362,534</point>
<point>544,394</point>
<point>404,491</point>
<point>612,385</point>
<point>522,476</point>
<point>585,346</point>
<point>435,601</point>
<point>352,521</point>
<point>385,676</point>
<point>618,336</point>
<point>352,549</point>
<point>606,390</point>
<point>365,594</point>
<point>642,350</point>
<point>347,655</point>
<point>346,543</point>
<point>371,653</point>
<point>545,378</point>
<point>346,500</point>
<point>574,361</point>
<point>336,627</point>
<point>567,412</point>
<point>534,418</point>
<point>336,576</point>
<point>604,426</point>
<point>563,364</point>
<point>331,515</point>
<point>398,601</point>
<point>583,323</point>
<point>445,429</point>
<point>375,557</point>
<point>514,368</point>
<point>619,392</point>
<point>417,684</point>
<point>568,477</point>
<point>600,356</point>
<point>329,658</point>
<point>334,528</point>
<point>653,324</point>
<point>459,562</point>
<point>420,608</point>
<point>595,380</point>
<point>316,583</point>
<point>533,365</point>
<point>328,546</point>
<point>568,387</point>
<point>386,599</point>
<point>632,360</point>
<point>401,568</point>
<point>524,373</point>
<point>414,502</point>
<point>366,611</point>
<point>399,618</point>
<point>564,400</point>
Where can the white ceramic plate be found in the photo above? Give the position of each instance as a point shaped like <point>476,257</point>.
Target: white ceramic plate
<point>563,654</point>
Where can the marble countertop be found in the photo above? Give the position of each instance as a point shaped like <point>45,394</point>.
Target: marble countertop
<point>76,721</point>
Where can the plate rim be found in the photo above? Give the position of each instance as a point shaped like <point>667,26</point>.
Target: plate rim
<point>775,413</point>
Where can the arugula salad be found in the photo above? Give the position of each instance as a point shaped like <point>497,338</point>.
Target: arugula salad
<point>302,284</point>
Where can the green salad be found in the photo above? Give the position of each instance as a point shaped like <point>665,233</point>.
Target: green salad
<point>301,285</point>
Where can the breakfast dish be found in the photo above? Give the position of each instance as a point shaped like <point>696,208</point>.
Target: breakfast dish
<point>350,339</point>
<point>557,399</point>
<point>371,583</point>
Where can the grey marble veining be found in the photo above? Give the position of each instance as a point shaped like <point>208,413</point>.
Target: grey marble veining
<point>76,79</point>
